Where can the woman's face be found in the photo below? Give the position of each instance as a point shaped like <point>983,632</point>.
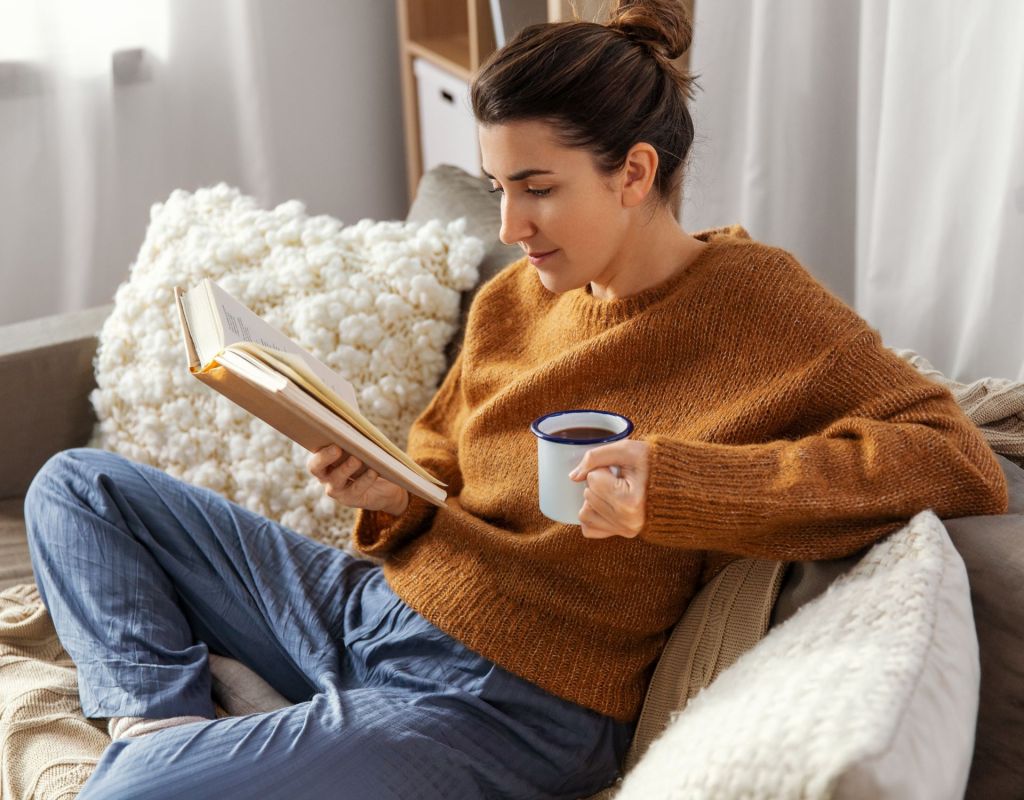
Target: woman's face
<point>555,204</point>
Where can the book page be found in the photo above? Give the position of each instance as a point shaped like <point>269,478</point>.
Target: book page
<point>239,325</point>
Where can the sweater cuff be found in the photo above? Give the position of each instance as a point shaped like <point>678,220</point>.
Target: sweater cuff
<point>697,490</point>
<point>377,533</point>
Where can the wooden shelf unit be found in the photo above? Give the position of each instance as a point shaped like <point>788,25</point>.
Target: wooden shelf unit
<point>455,35</point>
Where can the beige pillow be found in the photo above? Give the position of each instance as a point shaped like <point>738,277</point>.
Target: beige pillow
<point>991,548</point>
<point>727,617</point>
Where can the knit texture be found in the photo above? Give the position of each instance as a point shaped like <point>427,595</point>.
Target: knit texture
<point>995,405</point>
<point>779,428</point>
<point>47,748</point>
<point>869,692</point>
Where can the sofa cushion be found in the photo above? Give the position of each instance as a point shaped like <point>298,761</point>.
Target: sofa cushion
<point>239,690</point>
<point>377,301</point>
<point>45,379</point>
<point>869,690</point>
<point>446,193</point>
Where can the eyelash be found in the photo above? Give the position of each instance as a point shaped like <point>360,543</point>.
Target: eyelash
<point>534,192</point>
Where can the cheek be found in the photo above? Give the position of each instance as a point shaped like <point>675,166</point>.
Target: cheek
<point>591,220</point>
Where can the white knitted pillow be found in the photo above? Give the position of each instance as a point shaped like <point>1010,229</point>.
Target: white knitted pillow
<point>868,691</point>
<point>377,301</point>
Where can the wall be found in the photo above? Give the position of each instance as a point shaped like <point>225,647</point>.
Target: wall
<point>284,100</point>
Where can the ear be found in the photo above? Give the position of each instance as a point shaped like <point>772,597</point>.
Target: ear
<point>638,174</point>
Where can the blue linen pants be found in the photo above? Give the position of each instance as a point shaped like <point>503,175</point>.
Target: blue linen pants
<point>144,574</point>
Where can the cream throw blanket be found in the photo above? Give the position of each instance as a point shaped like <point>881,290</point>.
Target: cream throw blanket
<point>47,747</point>
<point>995,405</point>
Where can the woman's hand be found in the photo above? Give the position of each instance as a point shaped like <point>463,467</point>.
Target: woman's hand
<point>337,471</point>
<point>614,506</point>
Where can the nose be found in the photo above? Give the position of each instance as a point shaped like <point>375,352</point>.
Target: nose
<point>516,225</point>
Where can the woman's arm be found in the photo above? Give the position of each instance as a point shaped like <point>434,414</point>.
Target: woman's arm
<point>894,444</point>
<point>433,443</point>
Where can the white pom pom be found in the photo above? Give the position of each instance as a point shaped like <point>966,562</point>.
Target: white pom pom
<point>377,301</point>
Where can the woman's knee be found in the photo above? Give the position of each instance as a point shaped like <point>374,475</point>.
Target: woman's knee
<point>63,476</point>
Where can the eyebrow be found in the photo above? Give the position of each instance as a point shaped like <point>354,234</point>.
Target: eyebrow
<point>522,175</point>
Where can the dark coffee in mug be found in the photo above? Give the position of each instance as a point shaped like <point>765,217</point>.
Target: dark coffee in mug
<point>563,439</point>
<point>583,433</point>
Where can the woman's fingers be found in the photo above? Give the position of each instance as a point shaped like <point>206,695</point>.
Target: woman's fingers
<point>363,482</point>
<point>335,469</point>
<point>595,521</point>
<point>602,517</point>
<point>342,474</point>
<point>349,481</point>
<point>319,461</point>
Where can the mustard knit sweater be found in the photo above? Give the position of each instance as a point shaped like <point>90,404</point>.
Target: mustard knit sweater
<point>779,427</point>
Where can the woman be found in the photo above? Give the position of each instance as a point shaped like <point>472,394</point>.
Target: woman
<point>496,653</point>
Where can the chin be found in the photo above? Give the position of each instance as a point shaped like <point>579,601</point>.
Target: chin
<point>557,283</point>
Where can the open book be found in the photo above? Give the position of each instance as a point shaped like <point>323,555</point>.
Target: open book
<point>259,368</point>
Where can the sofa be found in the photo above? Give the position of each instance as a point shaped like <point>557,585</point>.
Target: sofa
<point>46,375</point>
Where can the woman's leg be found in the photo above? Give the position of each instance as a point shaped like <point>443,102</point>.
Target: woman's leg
<point>142,573</point>
<point>416,716</point>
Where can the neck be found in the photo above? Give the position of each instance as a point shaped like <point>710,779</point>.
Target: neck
<point>652,253</point>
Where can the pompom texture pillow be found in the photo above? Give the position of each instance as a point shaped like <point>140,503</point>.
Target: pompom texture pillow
<point>376,301</point>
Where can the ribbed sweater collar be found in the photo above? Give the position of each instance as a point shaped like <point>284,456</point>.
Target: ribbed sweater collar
<point>588,310</point>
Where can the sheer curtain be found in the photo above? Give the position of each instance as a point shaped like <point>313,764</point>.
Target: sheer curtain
<point>880,142</point>
<point>109,105</point>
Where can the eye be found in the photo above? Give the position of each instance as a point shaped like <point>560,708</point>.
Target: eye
<point>534,192</point>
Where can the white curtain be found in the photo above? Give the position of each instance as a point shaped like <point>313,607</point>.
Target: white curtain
<point>107,106</point>
<point>882,143</point>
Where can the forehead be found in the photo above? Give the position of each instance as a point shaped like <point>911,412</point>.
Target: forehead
<point>514,147</point>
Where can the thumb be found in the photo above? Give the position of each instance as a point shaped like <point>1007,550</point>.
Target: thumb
<point>607,455</point>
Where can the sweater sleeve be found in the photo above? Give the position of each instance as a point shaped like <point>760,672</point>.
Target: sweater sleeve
<point>433,444</point>
<point>884,443</point>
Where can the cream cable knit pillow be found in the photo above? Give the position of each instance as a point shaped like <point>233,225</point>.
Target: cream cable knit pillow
<point>377,301</point>
<point>869,691</point>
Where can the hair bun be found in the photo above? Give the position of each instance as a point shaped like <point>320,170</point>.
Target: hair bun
<point>663,26</point>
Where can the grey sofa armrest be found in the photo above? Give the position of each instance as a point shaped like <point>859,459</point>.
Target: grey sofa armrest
<point>46,375</point>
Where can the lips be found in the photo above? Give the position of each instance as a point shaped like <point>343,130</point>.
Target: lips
<point>538,258</point>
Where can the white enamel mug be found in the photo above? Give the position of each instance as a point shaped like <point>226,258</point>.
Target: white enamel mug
<point>561,498</point>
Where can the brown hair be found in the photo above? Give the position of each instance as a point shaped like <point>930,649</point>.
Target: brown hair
<point>603,87</point>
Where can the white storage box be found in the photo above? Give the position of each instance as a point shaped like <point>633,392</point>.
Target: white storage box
<point>447,126</point>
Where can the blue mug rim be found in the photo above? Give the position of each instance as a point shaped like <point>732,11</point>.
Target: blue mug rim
<point>535,427</point>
